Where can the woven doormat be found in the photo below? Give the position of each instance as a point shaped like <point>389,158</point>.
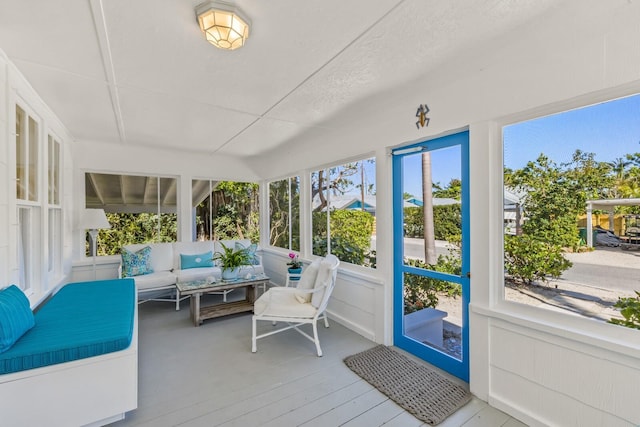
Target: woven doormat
<point>422,391</point>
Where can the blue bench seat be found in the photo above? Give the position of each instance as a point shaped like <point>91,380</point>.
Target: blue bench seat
<point>82,320</point>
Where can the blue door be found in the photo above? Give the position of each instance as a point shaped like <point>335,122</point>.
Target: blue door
<point>431,251</point>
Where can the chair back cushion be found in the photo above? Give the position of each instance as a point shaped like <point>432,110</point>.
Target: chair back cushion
<point>16,316</point>
<point>136,263</point>
<point>307,281</point>
<point>196,261</point>
<point>161,257</point>
<point>190,248</point>
<point>325,281</point>
<point>251,249</point>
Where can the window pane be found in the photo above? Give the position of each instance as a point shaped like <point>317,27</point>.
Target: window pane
<point>33,160</point>
<point>347,192</point>
<point>140,209</point>
<point>21,154</point>
<point>226,210</point>
<point>433,230</point>
<point>284,205</point>
<point>26,254</point>
<point>55,240</point>
<point>54,171</point>
<point>570,193</point>
<point>433,313</point>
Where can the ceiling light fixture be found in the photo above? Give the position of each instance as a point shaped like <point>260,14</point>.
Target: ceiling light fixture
<point>223,25</point>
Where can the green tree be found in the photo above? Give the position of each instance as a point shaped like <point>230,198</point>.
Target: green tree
<point>127,228</point>
<point>279,194</point>
<point>234,209</point>
<point>453,190</point>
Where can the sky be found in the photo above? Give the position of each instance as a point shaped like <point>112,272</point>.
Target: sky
<point>610,130</point>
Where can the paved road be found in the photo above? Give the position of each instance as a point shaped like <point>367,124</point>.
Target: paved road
<point>604,268</point>
<point>603,276</point>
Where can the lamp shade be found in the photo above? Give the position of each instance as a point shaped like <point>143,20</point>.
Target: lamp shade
<point>223,25</point>
<point>94,219</point>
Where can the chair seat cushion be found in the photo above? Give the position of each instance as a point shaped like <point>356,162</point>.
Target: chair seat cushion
<point>282,304</point>
<point>157,279</point>
<point>201,273</point>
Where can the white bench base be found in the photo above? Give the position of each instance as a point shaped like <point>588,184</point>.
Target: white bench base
<point>88,392</point>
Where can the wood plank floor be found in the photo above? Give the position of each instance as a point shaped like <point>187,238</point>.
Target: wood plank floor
<point>207,376</point>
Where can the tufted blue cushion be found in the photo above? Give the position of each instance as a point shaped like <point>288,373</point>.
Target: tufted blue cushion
<point>16,316</point>
<point>82,320</point>
<point>196,261</point>
<point>136,263</point>
<point>251,250</point>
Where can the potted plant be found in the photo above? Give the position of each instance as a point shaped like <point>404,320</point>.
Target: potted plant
<point>295,266</point>
<point>230,260</point>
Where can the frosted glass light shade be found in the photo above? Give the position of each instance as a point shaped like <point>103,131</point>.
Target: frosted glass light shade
<point>94,219</point>
<point>223,25</point>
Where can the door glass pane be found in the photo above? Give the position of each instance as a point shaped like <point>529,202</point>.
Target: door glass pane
<point>432,211</point>
<point>433,313</point>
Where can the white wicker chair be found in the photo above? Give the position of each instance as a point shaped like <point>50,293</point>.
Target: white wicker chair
<point>298,306</point>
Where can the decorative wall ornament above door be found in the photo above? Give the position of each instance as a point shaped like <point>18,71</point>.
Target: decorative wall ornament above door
<point>421,113</point>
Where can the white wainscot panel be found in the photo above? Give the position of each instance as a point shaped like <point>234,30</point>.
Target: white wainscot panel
<point>562,381</point>
<point>352,304</point>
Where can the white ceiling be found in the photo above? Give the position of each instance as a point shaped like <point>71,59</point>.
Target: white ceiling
<point>139,72</point>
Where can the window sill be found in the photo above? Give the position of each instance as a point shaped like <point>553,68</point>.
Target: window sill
<point>583,331</point>
<point>100,260</point>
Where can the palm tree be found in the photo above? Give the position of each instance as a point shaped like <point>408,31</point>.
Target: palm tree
<point>430,256</point>
<point>619,166</point>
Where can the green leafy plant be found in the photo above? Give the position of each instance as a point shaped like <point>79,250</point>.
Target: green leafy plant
<point>231,258</point>
<point>630,310</point>
<point>527,259</point>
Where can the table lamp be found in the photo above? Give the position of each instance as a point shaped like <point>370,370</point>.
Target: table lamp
<point>94,220</point>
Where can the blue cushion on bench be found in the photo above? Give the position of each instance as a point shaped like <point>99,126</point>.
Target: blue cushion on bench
<point>82,320</point>
<point>16,316</point>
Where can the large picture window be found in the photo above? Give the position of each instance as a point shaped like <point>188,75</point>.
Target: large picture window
<point>284,213</point>
<point>572,209</point>
<point>343,212</point>
<point>140,209</point>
